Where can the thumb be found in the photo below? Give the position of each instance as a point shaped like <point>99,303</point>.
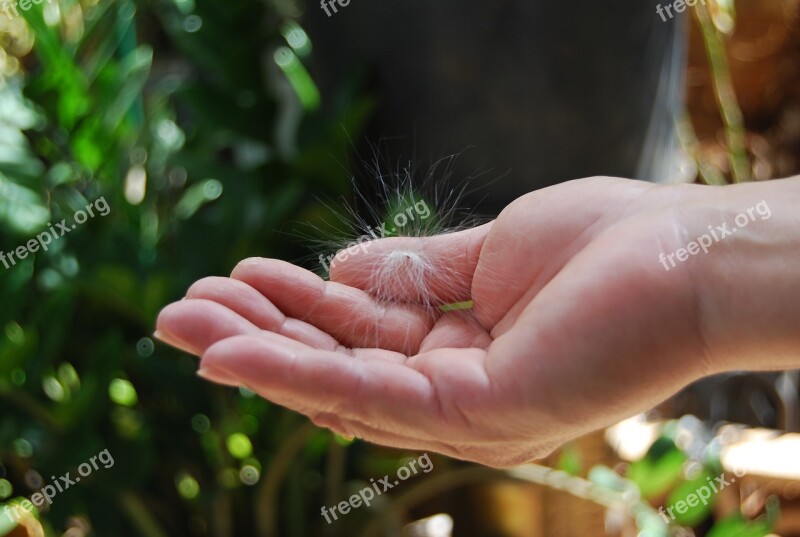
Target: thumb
<point>431,271</point>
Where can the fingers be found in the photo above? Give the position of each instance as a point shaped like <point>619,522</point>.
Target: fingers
<point>350,315</point>
<point>277,296</point>
<point>256,308</point>
<point>371,391</point>
<point>358,354</point>
<point>241,298</point>
<point>414,269</point>
<point>195,325</point>
<point>225,380</point>
<point>367,396</point>
<point>216,308</point>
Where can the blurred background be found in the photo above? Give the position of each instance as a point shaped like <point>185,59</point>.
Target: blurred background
<point>215,130</point>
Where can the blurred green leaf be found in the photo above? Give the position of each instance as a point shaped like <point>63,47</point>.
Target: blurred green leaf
<point>571,459</point>
<point>659,470</point>
<point>694,514</point>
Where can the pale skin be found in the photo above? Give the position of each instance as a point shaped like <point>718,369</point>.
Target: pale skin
<point>576,323</point>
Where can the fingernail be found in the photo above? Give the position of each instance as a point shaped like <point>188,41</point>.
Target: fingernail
<point>164,337</point>
<point>169,339</point>
<point>220,377</point>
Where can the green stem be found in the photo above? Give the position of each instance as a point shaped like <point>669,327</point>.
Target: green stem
<point>531,473</point>
<point>31,406</point>
<point>430,488</point>
<point>687,137</point>
<point>458,306</point>
<point>267,496</point>
<point>726,96</point>
<point>138,513</point>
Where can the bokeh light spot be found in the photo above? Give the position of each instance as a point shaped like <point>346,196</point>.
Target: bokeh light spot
<point>145,347</point>
<point>6,489</point>
<point>239,446</point>
<point>122,392</point>
<point>249,475</point>
<point>201,424</point>
<point>187,486</point>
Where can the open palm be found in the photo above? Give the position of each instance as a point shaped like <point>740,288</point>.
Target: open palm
<point>574,325</point>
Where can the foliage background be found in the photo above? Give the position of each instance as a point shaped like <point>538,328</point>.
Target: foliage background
<point>202,159</point>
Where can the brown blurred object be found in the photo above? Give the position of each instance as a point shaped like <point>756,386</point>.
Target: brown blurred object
<point>764,57</point>
<point>566,516</point>
<point>27,526</point>
<point>518,509</point>
<point>767,457</point>
<point>772,469</point>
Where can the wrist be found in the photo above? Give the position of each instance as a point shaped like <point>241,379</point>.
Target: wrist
<point>747,284</point>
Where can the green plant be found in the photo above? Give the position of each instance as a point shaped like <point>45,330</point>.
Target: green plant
<point>169,111</point>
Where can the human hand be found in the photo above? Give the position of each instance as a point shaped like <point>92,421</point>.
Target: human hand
<point>575,324</point>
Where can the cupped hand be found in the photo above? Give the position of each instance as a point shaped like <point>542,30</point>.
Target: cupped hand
<point>575,325</point>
